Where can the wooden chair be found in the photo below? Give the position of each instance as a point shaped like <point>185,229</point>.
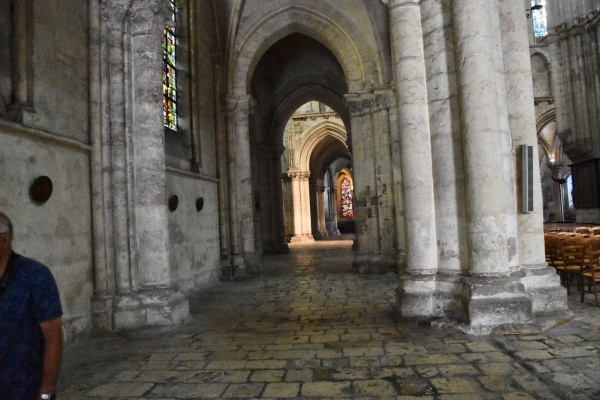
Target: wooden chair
<point>569,262</point>
<point>551,243</point>
<point>590,275</point>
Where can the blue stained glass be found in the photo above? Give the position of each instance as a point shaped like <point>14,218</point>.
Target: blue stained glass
<point>540,27</point>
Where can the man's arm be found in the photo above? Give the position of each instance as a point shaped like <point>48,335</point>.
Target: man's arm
<point>53,346</point>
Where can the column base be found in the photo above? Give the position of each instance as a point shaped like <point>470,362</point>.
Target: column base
<point>226,268</point>
<point>485,305</point>
<point>497,300</point>
<point>303,238</point>
<point>373,263</point>
<point>543,288</point>
<point>451,298</point>
<point>147,307</point>
<point>415,297</point>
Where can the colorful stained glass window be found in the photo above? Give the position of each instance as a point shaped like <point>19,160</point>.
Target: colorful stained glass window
<point>540,28</point>
<point>347,206</point>
<point>170,73</point>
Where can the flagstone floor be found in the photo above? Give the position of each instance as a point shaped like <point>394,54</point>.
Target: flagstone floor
<point>308,328</point>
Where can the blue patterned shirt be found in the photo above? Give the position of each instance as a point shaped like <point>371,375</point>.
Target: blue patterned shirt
<point>31,298</point>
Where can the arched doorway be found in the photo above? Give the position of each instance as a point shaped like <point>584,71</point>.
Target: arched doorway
<point>316,149</point>
<point>295,72</point>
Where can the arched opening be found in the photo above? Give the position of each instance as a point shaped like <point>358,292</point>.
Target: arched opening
<point>298,128</point>
<point>345,203</point>
<point>315,152</point>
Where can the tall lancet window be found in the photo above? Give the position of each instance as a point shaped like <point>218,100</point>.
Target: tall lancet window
<point>540,27</point>
<point>170,73</point>
<point>347,206</point>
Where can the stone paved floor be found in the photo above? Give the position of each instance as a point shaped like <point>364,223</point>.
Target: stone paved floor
<point>310,329</point>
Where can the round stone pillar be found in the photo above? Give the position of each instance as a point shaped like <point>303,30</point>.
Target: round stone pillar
<point>495,296</point>
<point>416,291</point>
<point>541,284</point>
<point>320,188</point>
<point>301,207</point>
<point>149,152</point>
<point>241,197</point>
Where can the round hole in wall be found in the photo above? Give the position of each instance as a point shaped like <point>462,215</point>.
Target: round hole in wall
<point>173,202</point>
<point>41,189</point>
<point>199,204</point>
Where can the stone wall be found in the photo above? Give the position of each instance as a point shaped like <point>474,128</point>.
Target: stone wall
<point>44,131</point>
<point>193,234</point>
<point>58,232</point>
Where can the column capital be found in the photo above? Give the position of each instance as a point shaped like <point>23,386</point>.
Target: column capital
<point>149,17</point>
<point>400,3</point>
<point>359,103</point>
<point>369,102</point>
<point>114,11</point>
<point>299,176</point>
<point>385,99</point>
<point>242,104</point>
<point>555,168</point>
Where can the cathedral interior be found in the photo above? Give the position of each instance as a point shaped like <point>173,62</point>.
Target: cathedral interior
<point>150,149</point>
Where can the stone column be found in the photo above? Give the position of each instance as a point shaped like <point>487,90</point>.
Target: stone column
<point>332,204</point>
<point>117,144</point>
<point>277,222</point>
<point>385,99</point>
<point>21,49</point>
<point>147,25</point>
<point>241,198</point>
<point>270,215</point>
<point>301,207</point>
<point>321,209</point>
<point>222,172</point>
<point>162,302</point>
<point>101,302</point>
<point>127,120</point>
<point>542,286</point>
<point>111,200</point>
<point>557,191</point>
<point>447,156</point>
<point>366,220</point>
<point>496,297</point>
<point>417,287</point>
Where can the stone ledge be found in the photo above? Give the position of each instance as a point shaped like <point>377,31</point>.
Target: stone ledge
<point>148,307</point>
<point>538,324</point>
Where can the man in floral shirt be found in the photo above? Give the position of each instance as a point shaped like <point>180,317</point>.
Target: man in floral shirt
<point>31,338</point>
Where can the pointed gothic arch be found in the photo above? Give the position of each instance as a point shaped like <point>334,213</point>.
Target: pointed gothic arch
<point>341,41</point>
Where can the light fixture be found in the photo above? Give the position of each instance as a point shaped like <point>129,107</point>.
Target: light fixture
<point>537,6</point>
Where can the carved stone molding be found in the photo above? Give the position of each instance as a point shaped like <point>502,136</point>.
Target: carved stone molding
<point>367,103</point>
<point>400,3</point>
<point>384,100</point>
<point>114,11</point>
<point>240,105</point>
<point>149,16</point>
<point>299,176</point>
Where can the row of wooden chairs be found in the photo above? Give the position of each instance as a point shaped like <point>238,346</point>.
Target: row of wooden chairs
<point>587,230</point>
<point>575,255</point>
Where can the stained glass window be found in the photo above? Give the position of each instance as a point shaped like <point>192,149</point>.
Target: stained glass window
<point>170,73</point>
<point>347,207</point>
<point>540,28</point>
